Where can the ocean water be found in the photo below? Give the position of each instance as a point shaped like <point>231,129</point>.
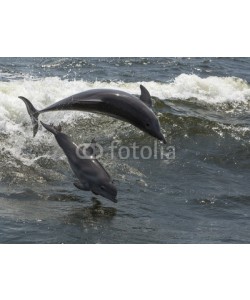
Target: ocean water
<point>201,195</point>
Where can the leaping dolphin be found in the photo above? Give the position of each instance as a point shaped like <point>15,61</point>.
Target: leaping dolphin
<point>114,103</point>
<point>91,174</point>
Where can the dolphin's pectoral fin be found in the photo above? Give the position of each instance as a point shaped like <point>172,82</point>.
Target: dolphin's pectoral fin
<point>145,96</point>
<point>94,192</point>
<point>82,185</point>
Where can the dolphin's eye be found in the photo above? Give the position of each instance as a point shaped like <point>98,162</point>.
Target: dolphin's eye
<point>102,187</point>
<point>147,124</point>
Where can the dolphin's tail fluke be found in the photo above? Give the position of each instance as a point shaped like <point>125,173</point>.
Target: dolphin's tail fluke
<point>33,114</point>
<point>51,128</point>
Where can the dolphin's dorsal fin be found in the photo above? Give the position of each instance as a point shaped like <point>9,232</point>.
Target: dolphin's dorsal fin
<point>91,150</point>
<point>93,141</point>
<point>145,96</point>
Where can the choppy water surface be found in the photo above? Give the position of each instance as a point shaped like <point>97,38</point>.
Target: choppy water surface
<point>201,196</point>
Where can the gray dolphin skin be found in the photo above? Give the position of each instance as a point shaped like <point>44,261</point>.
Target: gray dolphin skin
<point>114,103</point>
<point>91,174</point>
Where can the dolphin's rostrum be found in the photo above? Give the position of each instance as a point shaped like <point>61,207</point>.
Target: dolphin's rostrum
<point>90,173</point>
<point>114,103</point>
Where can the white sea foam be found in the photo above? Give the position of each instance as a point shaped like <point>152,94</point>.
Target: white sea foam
<point>46,91</point>
<point>211,89</point>
<point>43,92</point>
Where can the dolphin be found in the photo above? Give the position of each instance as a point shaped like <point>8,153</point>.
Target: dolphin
<point>114,103</point>
<point>90,173</point>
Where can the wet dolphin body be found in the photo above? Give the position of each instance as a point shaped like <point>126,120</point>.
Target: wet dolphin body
<point>90,173</point>
<point>115,103</point>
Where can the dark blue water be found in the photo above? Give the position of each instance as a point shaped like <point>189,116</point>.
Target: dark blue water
<point>200,196</point>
